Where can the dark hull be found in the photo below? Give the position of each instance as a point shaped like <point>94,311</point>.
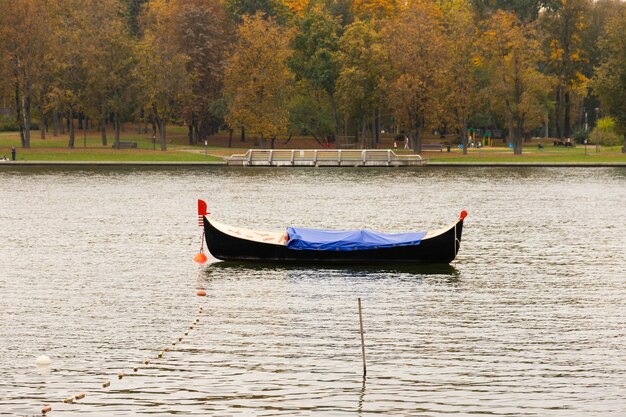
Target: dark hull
<point>440,249</point>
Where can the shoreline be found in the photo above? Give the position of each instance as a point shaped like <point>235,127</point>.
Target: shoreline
<point>223,163</point>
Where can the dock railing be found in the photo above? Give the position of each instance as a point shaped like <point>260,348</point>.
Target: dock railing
<point>324,157</point>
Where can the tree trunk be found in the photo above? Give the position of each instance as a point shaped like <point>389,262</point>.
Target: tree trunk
<point>363,128</point>
<point>190,129</point>
<point>55,122</point>
<point>230,138</point>
<point>273,138</point>
<point>103,126</point>
<point>18,113</point>
<point>566,120</point>
<point>333,105</point>
<point>70,121</point>
<point>557,114</point>
<point>376,128</point>
<point>154,128</point>
<point>160,124</point>
<point>84,131</point>
<point>43,123</point>
<point>464,138</point>
<point>190,134</point>
<point>417,135</point>
<point>43,127</point>
<point>517,137</point>
<point>26,113</point>
<point>243,134</point>
<point>117,127</point>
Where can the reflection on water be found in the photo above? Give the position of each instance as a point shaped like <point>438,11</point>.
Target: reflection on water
<point>96,272</point>
<point>365,270</point>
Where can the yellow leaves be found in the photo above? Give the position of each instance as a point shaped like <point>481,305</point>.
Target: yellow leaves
<point>375,8</point>
<point>581,79</point>
<point>297,6</point>
<point>257,77</point>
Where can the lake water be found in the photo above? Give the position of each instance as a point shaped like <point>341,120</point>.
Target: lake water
<point>96,272</point>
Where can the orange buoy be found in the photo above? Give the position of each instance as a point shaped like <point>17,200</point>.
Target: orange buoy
<point>68,400</point>
<point>201,293</point>
<point>106,384</point>
<point>121,375</point>
<point>46,409</point>
<point>200,258</point>
<point>80,396</point>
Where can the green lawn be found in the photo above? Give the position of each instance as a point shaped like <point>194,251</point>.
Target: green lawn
<point>531,154</point>
<point>90,149</point>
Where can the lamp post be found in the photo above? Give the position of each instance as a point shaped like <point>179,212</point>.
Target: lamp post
<point>597,129</point>
<point>153,143</point>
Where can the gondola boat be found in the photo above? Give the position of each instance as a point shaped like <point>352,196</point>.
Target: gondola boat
<point>300,245</point>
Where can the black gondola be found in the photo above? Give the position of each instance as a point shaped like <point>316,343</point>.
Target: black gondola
<point>235,244</point>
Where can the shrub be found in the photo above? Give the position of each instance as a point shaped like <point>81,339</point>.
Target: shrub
<point>580,135</point>
<point>606,138</point>
<point>606,132</point>
<point>606,124</point>
<point>9,124</point>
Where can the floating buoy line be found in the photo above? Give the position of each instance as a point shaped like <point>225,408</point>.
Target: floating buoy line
<point>200,258</point>
<point>73,399</point>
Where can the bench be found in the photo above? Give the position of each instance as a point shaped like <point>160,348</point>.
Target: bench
<point>432,147</point>
<point>125,145</point>
<point>563,143</point>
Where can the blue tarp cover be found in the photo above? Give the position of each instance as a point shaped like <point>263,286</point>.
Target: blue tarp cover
<point>315,239</point>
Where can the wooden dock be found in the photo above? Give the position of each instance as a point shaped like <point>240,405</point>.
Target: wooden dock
<point>324,158</point>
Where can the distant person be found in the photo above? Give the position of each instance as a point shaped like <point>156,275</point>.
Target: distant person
<point>395,144</point>
<point>539,146</point>
<point>406,142</point>
<point>13,152</point>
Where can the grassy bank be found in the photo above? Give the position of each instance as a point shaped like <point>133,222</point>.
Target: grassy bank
<point>89,148</point>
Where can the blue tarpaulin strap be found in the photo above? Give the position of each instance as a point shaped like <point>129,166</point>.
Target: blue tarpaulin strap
<point>338,240</point>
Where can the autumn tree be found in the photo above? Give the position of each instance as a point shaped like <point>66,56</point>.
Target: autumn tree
<point>204,36</point>
<point>358,85</point>
<point>609,83</point>
<point>23,42</point>
<point>236,10</point>
<point>517,89</point>
<point>525,10</point>
<point>416,54</point>
<point>69,71</point>
<point>564,26</point>
<point>257,78</point>
<point>376,9</point>
<point>162,66</point>
<point>314,57</point>
<point>110,62</point>
<point>464,77</point>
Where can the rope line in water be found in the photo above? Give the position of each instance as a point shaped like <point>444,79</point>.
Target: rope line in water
<point>107,383</point>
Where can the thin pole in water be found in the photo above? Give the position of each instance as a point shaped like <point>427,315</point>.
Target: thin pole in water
<point>362,338</point>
